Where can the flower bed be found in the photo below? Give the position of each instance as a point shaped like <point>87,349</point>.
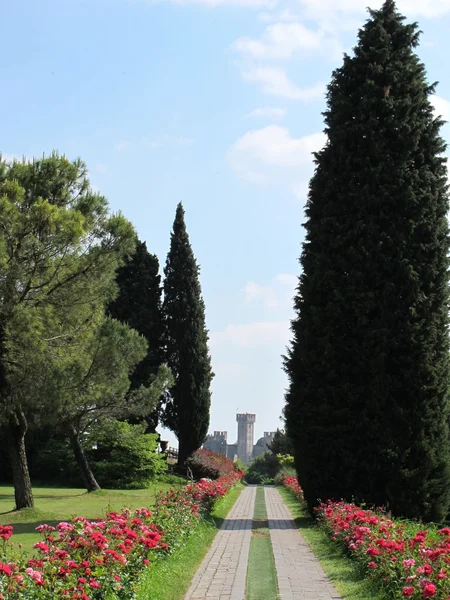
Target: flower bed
<point>103,558</point>
<point>403,557</point>
<point>292,484</point>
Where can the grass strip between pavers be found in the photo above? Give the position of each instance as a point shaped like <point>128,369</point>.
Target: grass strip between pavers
<point>261,573</point>
<point>346,576</point>
<point>170,578</point>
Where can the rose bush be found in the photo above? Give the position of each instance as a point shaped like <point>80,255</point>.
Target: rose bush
<point>103,558</point>
<point>404,558</point>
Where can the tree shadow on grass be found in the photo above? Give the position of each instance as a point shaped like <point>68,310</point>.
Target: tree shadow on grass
<point>31,527</point>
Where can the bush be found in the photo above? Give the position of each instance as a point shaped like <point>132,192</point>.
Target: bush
<point>126,456</point>
<point>210,465</point>
<point>263,469</point>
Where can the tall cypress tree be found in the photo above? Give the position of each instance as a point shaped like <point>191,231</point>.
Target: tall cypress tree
<point>367,404</point>
<point>139,305</point>
<point>186,344</point>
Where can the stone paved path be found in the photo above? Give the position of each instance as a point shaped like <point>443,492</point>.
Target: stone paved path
<point>223,572</point>
<point>300,575</point>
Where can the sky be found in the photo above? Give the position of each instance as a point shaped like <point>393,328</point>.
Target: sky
<point>215,103</point>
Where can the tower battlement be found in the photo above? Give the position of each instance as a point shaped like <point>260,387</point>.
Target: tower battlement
<point>245,418</point>
<point>269,434</point>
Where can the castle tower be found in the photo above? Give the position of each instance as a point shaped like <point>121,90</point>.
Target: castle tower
<point>246,424</point>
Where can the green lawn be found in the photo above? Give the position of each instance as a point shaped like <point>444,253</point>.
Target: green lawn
<point>261,573</point>
<point>53,505</point>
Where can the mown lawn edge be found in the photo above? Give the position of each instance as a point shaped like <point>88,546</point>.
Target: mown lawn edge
<point>262,581</point>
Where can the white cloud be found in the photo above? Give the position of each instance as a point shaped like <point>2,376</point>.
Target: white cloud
<point>268,112</point>
<point>275,82</point>
<point>277,294</point>
<point>251,335</point>
<point>254,291</point>
<point>441,107</point>
<point>285,15</point>
<point>280,41</point>
<point>122,145</point>
<point>273,145</point>
<point>287,279</point>
<point>271,155</point>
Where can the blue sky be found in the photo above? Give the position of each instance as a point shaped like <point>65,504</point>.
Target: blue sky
<point>212,102</point>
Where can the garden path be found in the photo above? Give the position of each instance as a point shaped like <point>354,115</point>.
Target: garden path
<point>222,574</point>
<point>299,572</point>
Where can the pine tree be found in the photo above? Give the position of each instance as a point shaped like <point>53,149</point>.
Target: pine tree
<point>59,252</point>
<point>186,344</point>
<point>139,305</point>
<point>367,404</point>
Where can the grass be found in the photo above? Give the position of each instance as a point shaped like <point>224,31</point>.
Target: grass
<point>170,578</point>
<point>348,579</point>
<point>53,505</point>
<point>261,574</point>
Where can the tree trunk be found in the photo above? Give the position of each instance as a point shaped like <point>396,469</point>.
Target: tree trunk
<point>17,429</point>
<point>183,453</point>
<point>82,461</point>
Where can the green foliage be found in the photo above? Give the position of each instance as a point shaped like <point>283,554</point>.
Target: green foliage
<point>125,456</point>
<point>367,405</point>
<point>281,444</point>
<point>59,250</point>
<point>138,304</point>
<point>186,342</point>
<point>286,461</point>
<point>262,469</point>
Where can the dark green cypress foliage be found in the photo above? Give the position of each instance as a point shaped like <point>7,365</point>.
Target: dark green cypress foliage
<point>367,404</point>
<point>139,305</point>
<point>186,344</point>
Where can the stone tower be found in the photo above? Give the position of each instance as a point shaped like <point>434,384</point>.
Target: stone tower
<point>246,425</point>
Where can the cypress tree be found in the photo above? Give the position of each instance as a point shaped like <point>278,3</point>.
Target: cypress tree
<point>367,403</point>
<point>139,305</point>
<point>186,344</point>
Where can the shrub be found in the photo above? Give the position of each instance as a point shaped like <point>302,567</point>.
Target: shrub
<point>210,465</point>
<point>263,469</point>
<point>291,483</point>
<point>126,456</point>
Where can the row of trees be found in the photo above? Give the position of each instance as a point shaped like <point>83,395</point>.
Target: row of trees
<point>368,401</point>
<point>84,334</point>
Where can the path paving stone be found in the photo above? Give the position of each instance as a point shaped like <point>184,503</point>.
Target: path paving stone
<point>300,574</point>
<point>222,574</point>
